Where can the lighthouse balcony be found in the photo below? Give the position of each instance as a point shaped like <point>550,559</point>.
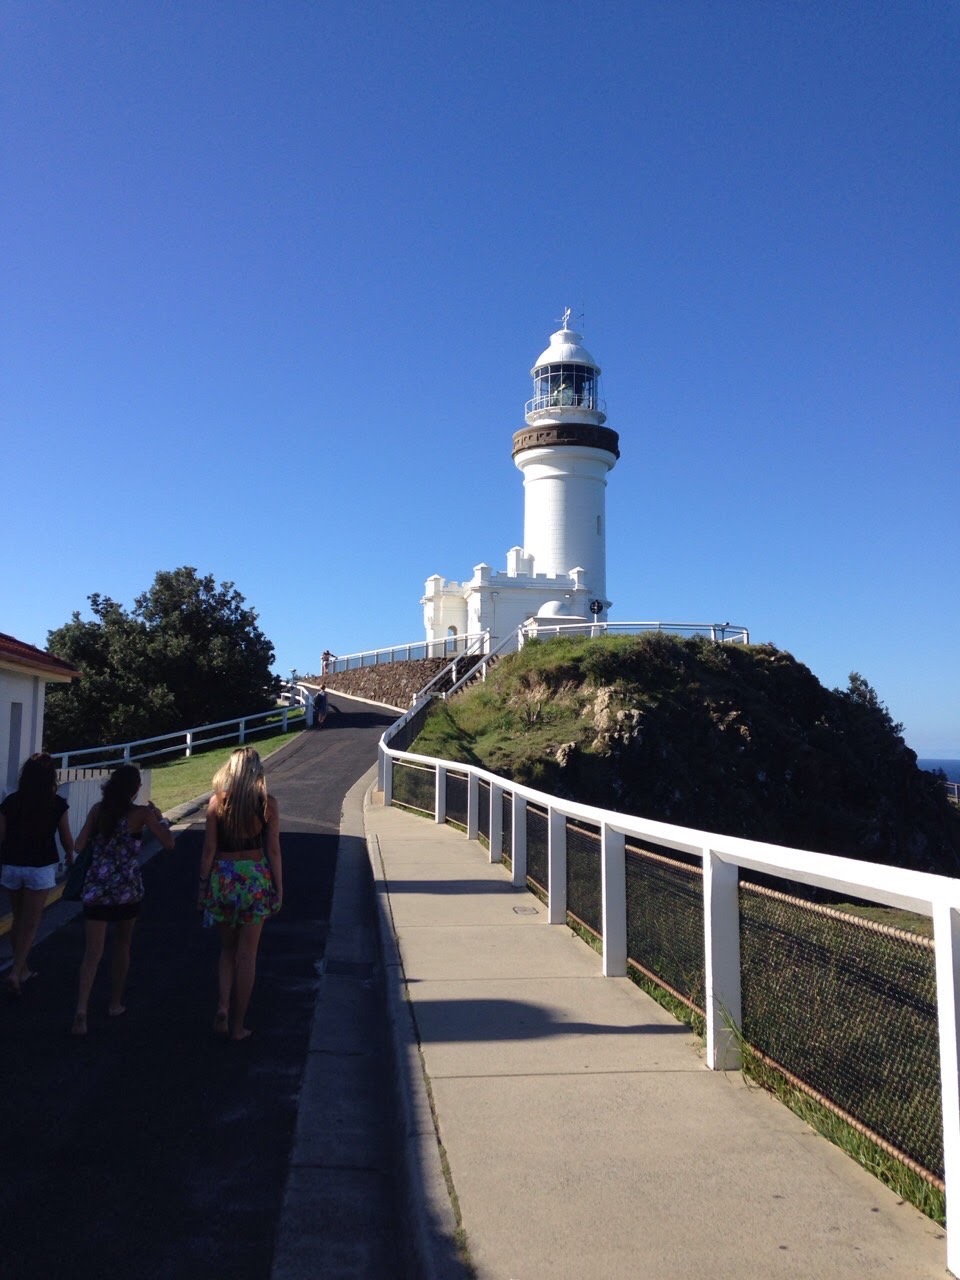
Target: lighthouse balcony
<point>562,403</point>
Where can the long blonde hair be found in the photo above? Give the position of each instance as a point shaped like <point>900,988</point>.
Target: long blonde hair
<point>241,791</point>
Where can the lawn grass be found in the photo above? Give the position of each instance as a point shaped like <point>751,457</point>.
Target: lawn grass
<point>178,781</point>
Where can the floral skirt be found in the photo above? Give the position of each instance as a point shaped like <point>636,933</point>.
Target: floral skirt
<point>240,892</point>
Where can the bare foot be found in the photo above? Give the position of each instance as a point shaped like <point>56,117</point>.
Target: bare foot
<point>117,1010</point>
<point>221,1023</point>
<point>79,1027</point>
<point>243,1034</point>
<point>11,985</point>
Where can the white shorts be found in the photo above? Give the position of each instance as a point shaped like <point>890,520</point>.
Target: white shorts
<point>13,877</point>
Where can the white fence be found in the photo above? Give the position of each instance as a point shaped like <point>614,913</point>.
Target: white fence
<point>722,859</point>
<point>448,647</point>
<point>479,641</point>
<point>722,632</point>
<point>185,741</point>
<point>82,788</point>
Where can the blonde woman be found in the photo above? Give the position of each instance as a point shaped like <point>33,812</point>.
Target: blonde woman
<point>241,879</point>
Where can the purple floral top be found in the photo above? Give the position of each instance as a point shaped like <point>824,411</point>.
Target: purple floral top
<point>114,877</point>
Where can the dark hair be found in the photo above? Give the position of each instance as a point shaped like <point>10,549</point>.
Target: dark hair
<point>118,795</point>
<point>38,778</point>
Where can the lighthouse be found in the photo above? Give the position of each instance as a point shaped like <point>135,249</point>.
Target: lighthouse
<point>564,451</point>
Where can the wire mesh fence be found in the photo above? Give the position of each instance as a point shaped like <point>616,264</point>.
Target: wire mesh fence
<point>665,937</point>
<point>845,1008</point>
<point>849,1008</point>
<point>537,859</point>
<point>584,878</point>
<point>506,809</point>
<point>483,817</point>
<point>414,786</point>
<point>457,798</point>
<point>407,733</point>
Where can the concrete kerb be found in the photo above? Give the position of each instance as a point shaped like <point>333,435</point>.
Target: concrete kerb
<point>431,1217</point>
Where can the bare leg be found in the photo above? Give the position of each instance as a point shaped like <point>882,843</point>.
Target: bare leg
<point>11,981</point>
<point>120,965</point>
<point>245,973</point>
<point>96,932</point>
<point>24,929</point>
<point>225,972</point>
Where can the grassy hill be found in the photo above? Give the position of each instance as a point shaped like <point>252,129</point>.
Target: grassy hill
<point>739,740</point>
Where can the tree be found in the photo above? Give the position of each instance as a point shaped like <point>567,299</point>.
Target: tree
<point>190,652</point>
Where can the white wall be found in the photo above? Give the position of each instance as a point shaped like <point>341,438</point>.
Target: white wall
<point>564,522</point>
<point>26,691</point>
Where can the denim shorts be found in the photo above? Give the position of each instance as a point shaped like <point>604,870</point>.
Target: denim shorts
<point>14,877</point>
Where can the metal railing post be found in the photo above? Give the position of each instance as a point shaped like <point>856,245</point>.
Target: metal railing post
<point>496,823</point>
<point>556,868</point>
<point>386,778</point>
<point>440,796</point>
<point>473,806</point>
<point>189,751</point>
<point>614,890</point>
<point>721,920</point>
<point>518,851</point>
<point>946,933</point>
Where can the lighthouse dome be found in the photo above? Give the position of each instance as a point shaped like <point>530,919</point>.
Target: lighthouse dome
<point>566,347</point>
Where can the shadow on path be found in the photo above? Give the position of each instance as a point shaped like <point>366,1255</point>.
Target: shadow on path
<point>152,1149</point>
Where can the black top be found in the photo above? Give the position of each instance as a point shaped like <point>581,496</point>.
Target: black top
<point>238,844</point>
<point>29,841</point>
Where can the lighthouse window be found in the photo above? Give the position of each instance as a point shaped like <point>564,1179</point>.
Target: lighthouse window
<point>565,385</point>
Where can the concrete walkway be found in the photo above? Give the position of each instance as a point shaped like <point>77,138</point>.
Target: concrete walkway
<point>582,1131</point>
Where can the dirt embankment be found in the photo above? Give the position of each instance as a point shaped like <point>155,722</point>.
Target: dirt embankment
<point>392,683</point>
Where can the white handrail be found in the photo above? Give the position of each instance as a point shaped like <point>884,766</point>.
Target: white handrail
<point>190,737</point>
<point>444,646</point>
<point>722,632</point>
<point>722,856</point>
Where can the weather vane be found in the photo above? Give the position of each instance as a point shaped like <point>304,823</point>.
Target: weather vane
<point>567,317</point>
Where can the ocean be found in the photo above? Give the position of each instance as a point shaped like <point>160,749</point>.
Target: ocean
<point>950,767</point>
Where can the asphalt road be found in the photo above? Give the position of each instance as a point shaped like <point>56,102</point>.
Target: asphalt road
<point>152,1149</point>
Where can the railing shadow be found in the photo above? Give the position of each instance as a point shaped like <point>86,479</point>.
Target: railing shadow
<point>486,1019</point>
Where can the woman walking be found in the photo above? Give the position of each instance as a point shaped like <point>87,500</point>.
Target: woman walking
<point>30,818</point>
<point>241,880</point>
<point>113,888</point>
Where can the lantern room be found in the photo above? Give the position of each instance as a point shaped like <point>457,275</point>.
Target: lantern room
<point>566,377</point>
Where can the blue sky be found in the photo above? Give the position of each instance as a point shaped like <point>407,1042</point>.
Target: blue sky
<point>274,276</point>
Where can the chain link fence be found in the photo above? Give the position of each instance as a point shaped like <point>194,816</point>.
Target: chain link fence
<point>848,1008</point>
<point>843,1007</point>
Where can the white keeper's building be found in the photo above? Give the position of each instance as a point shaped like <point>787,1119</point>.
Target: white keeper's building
<point>564,452</point>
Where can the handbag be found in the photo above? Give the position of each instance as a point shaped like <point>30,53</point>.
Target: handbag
<point>73,885</point>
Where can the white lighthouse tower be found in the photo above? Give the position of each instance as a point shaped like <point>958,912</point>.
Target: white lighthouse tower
<point>564,453</point>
